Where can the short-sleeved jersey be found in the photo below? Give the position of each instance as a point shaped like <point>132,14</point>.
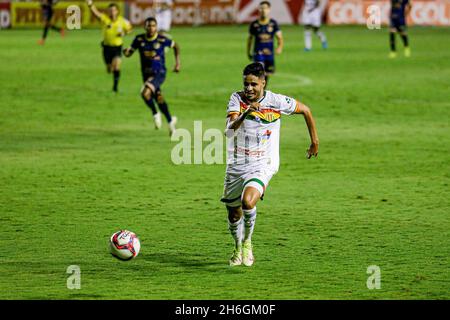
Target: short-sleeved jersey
<point>152,53</point>
<point>398,9</point>
<point>311,4</point>
<point>264,35</point>
<point>255,145</point>
<point>113,30</point>
<point>163,5</point>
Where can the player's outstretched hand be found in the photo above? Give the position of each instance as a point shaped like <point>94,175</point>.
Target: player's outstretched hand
<point>278,50</point>
<point>313,150</point>
<point>126,52</point>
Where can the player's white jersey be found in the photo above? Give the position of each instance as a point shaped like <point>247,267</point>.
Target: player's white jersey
<point>255,145</point>
<point>310,4</point>
<point>164,14</point>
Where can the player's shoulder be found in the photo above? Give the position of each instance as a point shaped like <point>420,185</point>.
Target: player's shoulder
<point>254,23</point>
<point>140,37</point>
<point>237,96</point>
<point>162,38</point>
<point>273,22</point>
<point>277,98</point>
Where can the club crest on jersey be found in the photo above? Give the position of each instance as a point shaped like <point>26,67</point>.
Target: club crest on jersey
<point>156,45</point>
<point>266,136</point>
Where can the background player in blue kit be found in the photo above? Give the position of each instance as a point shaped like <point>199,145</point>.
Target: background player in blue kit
<point>151,47</point>
<point>399,11</point>
<point>261,34</point>
<point>47,14</point>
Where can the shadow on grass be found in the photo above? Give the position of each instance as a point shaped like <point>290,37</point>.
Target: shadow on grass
<point>198,262</point>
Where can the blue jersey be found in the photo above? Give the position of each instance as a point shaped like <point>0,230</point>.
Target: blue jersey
<point>264,35</point>
<point>398,9</point>
<point>152,52</point>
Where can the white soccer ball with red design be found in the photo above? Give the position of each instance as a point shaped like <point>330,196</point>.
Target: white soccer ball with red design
<point>124,245</point>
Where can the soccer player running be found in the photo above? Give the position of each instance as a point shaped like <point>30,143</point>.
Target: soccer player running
<point>115,27</point>
<point>399,11</point>
<point>47,14</point>
<point>312,20</point>
<point>261,34</point>
<point>253,131</point>
<point>151,46</point>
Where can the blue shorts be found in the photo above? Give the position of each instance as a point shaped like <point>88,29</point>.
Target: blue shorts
<point>267,61</point>
<point>399,24</point>
<point>154,80</point>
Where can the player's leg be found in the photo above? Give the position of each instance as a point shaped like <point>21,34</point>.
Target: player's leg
<point>307,37</point>
<point>107,57</point>
<point>115,66</point>
<point>147,94</point>
<point>322,37</point>
<point>235,226</point>
<point>404,36</point>
<point>164,108</point>
<point>47,15</point>
<point>252,193</point>
<point>269,67</point>
<point>232,194</point>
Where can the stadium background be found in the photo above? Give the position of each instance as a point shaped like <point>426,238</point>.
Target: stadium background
<point>195,12</point>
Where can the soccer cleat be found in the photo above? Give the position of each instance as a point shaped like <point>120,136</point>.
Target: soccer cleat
<point>172,124</point>
<point>247,254</point>
<point>41,42</point>
<point>407,52</point>
<point>62,32</point>
<point>307,49</point>
<point>236,258</point>
<point>392,55</point>
<point>324,45</point>
<point>157,120</point>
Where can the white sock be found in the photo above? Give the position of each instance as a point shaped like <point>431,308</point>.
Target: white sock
<point>236,231</point>
<point>249,223</point>
<point>321,36</point>
<point>308,42</point>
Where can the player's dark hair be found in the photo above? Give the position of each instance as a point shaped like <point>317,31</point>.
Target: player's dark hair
<point>113,5</point>
<point>256,69</point>
<point>150,19</point>
<point>264,2</point>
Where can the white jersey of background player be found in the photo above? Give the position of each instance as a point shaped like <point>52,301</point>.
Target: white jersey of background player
<point>253,131</point>
<point>312,20</point>
<point>163,14</point>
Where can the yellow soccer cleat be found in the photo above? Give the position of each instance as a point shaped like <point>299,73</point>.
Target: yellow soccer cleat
<point>392,55</point>
<point>247,254</point>
<point>407,52</point>
<point>236,258</point>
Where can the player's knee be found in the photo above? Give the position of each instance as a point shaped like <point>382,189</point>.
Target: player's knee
<point>160,98</point>
<point>146,93</point>
<point>248,202</point>
<point>234,214</point>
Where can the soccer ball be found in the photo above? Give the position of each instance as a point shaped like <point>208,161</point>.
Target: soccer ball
<point>124,245</point>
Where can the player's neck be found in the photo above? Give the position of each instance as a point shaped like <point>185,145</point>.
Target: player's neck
<point>264,20</point>
<point>151,38</point>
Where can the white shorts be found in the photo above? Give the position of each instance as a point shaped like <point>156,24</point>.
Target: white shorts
<point>235,184</point>
<point>164,20</point>
<point>313,18</point>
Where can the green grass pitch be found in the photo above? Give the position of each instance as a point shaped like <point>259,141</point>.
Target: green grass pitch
<point>78,163</point>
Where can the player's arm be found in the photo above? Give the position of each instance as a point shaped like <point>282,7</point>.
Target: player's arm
<point>408,8</point>
<point>94,9</point>
<point>280,42</point>
<point>235,119</point>
<point>249,46</point>
<point>128,52</point>
<point>311,124</point>
<point>176,52</point>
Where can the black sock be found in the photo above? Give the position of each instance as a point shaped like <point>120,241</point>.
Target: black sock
<point>392,40</point>
<point>44,35</point>
<point>151,105</point>
<point>165,110</point>
<point>116,76</point>
<point>405,40</point>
